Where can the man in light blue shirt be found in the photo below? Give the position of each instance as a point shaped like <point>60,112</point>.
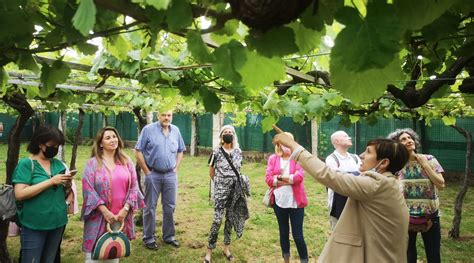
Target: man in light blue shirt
<point>159,151</point>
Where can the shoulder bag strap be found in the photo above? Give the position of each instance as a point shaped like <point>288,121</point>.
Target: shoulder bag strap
<point>335,159</point>
<point>231,165</point>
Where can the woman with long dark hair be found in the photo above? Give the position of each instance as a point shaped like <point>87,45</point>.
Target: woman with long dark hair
<point>41,183</point>
<point>109,168</point>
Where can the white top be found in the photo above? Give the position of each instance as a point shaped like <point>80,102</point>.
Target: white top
<point>346,164</point>
<point>284,194</point>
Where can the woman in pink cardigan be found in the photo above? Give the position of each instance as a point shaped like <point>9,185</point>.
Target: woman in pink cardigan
<point>285,178</point>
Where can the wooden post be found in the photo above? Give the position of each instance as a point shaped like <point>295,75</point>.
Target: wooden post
<point>314,137</point>
<point>194,135</point>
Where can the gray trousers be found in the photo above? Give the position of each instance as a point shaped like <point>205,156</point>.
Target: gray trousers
<point>165,184</point>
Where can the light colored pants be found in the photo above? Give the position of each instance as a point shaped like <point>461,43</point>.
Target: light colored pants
<point>332,222</point>
<point>165,184</point>
<point>90,260</point>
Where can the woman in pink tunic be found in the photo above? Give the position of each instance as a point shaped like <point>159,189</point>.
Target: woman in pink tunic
<point>110,189</point>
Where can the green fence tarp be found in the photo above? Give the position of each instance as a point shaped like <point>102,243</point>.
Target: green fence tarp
<point>444,142</point>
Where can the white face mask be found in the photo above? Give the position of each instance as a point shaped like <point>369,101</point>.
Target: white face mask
<point>376,167</point>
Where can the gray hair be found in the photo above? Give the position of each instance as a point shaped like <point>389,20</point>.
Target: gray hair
<point>398,132</point>
<point>235,142</point>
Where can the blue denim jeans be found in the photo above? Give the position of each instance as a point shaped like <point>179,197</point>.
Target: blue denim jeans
<point>165,184</point>
<point>431,241</point>
<point>295,216</point>
<point>40,245</point>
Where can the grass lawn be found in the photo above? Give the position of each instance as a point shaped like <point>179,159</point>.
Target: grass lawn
<point>260,241</point>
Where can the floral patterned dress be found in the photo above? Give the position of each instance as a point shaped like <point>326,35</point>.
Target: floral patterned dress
<point>95,189</point>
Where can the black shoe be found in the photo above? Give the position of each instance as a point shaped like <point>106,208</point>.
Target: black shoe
<point>173,242</point>
<point>151,246</point>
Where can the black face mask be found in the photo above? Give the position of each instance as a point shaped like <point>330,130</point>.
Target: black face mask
<point>50,151</point>
<point>228,138</point>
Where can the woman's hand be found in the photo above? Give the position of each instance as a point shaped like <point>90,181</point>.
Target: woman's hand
<point>421,159</point>
<point>285,140</point>
<point>108,216</point>
<point>61,179</point>
<point>120,217</point>
<point>435,177</point>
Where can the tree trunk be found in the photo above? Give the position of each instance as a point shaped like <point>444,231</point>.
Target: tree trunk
<point>105,120</point>
<point>77,140</point>
<point>142,121</point>
<point>62,127</point>
<point>194,136</point>
<point>18,102</point>
<point>454,232</point>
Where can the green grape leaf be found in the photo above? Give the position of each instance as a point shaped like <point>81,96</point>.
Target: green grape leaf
<point>158,4</point>
<point>17,27</point>
<point>354,119</point>
<point>119,47</point>
<point>448,120</point>
<point>333,98</point>
<point>293,108</point>
<point>54,37</point>
<point>328,8</point>
<point>311,20</point>
<point>369,43</point>
<point>443,90</point>
<point>87,49</point>
<point>469,100</point>
<point>212,103</point>
<point>267,123</point>
<point>416,14</point>
<point>197,47</point>
<point>32,92</point>
<point>278,41</point>
<point>306,39</point>
<point>52,75</point>
<point>229,59</point>
<point>179,15</point>
<point>84,18</point>
<point>443,26</point>
<point>168,92</point>
<point>186,86</point>
<point>362,87</point>
<point>3,77</point>
<point>26,61</point>
<point>315,104</point>
<point>260,71</point>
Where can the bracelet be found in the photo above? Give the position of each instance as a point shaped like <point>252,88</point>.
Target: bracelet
<point>126,208</point>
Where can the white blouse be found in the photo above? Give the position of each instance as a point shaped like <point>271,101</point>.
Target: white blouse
<point>284,194</point>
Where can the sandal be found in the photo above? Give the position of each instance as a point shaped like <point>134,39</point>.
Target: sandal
<point>229,257</point>
<point>207,260</point>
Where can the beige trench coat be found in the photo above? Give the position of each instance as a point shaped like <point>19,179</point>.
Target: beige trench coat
<point>374,224</point>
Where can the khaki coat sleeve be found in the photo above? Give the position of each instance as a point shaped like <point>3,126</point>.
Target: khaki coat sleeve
<point>362,187</point>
